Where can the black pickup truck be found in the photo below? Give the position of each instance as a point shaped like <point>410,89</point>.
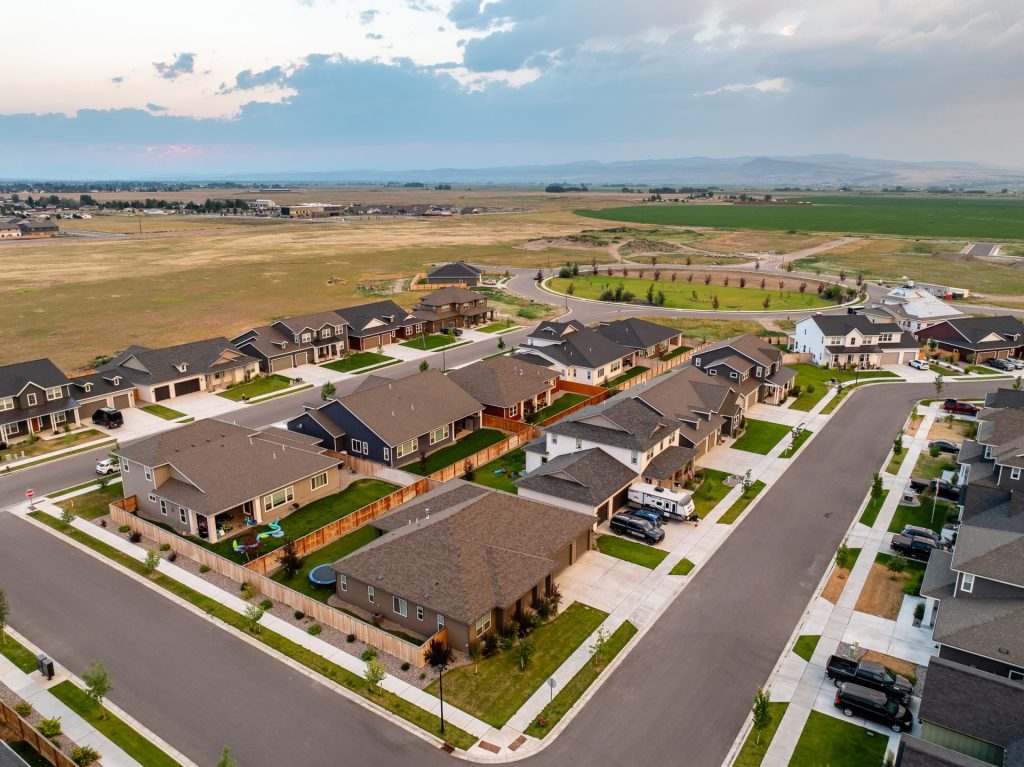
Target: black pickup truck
<point>913,546</point>
<point>869,674</point>
<point>946,489</point>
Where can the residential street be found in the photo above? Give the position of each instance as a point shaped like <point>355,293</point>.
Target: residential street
<point>687,686</point>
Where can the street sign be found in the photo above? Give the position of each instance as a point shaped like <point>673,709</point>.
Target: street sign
<point>552,684</point>
<point>30,493</point>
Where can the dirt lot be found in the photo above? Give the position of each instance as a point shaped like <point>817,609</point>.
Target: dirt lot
<point>836,582</point>
<point>900,666</point>
<point>883,593</point>
<point>955,432</point>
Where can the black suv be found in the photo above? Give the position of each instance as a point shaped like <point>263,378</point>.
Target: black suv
<point>871,704</point>
<point>108,417</point>
<point>634,527</point>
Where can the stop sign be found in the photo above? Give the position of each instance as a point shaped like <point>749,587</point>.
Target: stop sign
<point>30,493</point>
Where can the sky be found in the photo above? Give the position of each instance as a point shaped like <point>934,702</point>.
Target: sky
<point>114,90</point>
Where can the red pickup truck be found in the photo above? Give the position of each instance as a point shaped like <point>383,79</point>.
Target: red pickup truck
<point>961,408</point>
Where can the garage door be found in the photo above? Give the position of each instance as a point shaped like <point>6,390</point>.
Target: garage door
<point>303,358</point>
<point>891,358</point>
<point>85,411</point>
<point>122,401</point>
<point>280,363</point>
<point>186,387</point>
<point>162,393</point>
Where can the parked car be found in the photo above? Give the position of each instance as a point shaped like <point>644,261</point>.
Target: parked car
<point>914,531</point>
<point>919,364</point>
<point>107,466</point>
<point>634,527</point>
<point>961,408</point>
<point>651,515</point>
<point>1001,364</point>
<point>945,446</point>
<point>108,417</point>
<point>855,699</point>
<point>945,489</point>
<point>913,546</point>
<point>869,674</point>
<point>1018,364</point>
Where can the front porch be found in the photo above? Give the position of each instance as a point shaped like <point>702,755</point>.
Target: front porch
<point>671,468</point>
<point>40,426</point>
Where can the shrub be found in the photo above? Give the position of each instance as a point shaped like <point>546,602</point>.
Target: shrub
<point>368,654</point>
<point>135,536</point>
<point>165,547</point>
<point>507,640</point>
<point>84,755</point>
<point>247,591</point>
<point>204,568</point>
<point>913,585</point>
<point>123,529</point>
<point>524,622</point>
<point>49,728</point>
<point>810,388</point>
<point>525,653</point>
<point>350,638</point>
<point>314,629</point>
<point>423,675</point>
<point>795,390</point>
<point>375,673</point>
<point>67,516</point>
<point>173,556</point>
<point>23,709</point>
<point>896,566</point>
<point>490,645</point>
<point>299,615</point>
<point>919,612</point>
<point>933,451</point>
<point>266,604</point>
<point>406,666</point>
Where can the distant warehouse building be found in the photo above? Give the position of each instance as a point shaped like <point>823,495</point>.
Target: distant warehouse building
<point>311,210</point>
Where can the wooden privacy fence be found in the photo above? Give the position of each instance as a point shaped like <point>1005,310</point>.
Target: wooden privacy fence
<point>26,732</point>
<point>595,395</point>
<point>373,469</point>
<point>657,370</point>
<point>523,433</point>
<point>416,284</point>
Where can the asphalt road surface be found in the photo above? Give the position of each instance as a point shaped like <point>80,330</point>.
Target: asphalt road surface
<point>679,698</point>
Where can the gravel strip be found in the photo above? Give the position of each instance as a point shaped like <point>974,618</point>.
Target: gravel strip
<point>8,696</point>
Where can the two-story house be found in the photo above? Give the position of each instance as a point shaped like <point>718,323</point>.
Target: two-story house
<point>452,307</point>
<point>911,308</point>
<point>35,398</point>
<point>578,353</point>
<point>754,368</point>
<point>646,339</point>
<point>984,338</point>
<point>293,341</point>
<point>852,340</point>
<point>377,324</point>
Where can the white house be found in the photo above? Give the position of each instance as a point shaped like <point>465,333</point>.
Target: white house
<point>837,340</point>
<point>578,353</point>
<point>912,308</point>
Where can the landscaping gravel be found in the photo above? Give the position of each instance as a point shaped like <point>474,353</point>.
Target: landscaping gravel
<point>11,698</point>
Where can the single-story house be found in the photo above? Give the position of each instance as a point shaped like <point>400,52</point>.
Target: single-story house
<point>35,398</point>
<point>841,340</point>
<point>589,481</point>
<point>753,367</point>
<point>984,337</point>
<point>371,326</point>
<point>647,339</point>
<point>463,558</point>
<point>507,387</point>
<point>293,341</point>
<point>213,479</point>
<point>314,423</point>
<point>459,273</point>
<point>37,228</point>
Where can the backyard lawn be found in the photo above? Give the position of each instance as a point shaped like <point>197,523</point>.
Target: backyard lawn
<point>676,352</point>
<point>637,553</point>
<point>490,476</point>
<point>741,503</point>
<point>921,516</point>
<point>446,456</point>
<point>831,741</point>
<point>332,552</point>
<point>430,342</point>
<point>761,436</point>
<point>633,372</point>
<point>358,361</point>
<point>563,403</point>
<point>95,504</point>
<point>63,442</point>
<point>160,411</point>
<point>754,749</point>
<point>710,492</point>
<point>258,386</point>
<point>812,375</point>
<point>499,688</point>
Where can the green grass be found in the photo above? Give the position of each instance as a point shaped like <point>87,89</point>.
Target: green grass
<point>909,565</point>
<point>807,374</point>
<point>682,567</point>
<point>675,353</point>
<point>794,445</point>
<point>761,436</point>
<point>17,653</point>
<point>553,713</point>
<point>131,742</point>
<point>932,468</point>
<point>871,510</point>
<point>633,372</point>
<point>754,749</point>
<point>95,504</point>
<point>512,461</point>
<point>523,308</point>
<point>711,491</point>
<point>805,645</point>
<point>63,442</point>
<point>495,327</point>
<point>257,387</point>
<point>81,486</point>
<point>680,295</point>
<point>896,461</point>
<point>317,663</point>
<point>563,403</point>
<point>499,688</point>
<point>922,516</point>
<point>465,447</point>
<point>734,511</point>
<point>161,411</point>
<point>358,361</point>
<point>956,217</point>
<point>637,553</point>
<point>833,742</point>
<point>430,342</point>
<point>332,552</point>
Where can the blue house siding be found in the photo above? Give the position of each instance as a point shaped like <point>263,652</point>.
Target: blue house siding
<point>305,424</point>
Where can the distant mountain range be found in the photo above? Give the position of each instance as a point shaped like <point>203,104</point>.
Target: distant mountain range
<point>828,170</point>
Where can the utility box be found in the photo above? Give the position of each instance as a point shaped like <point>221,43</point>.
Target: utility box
<point>45,666</point>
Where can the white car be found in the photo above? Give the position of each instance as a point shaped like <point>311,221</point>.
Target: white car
<point>107,466</point>
<point>919,364</point>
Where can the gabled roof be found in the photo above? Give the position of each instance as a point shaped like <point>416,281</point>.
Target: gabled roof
<point>686,392</point>
<point>584,348</point>
<point>42,372</point>
<point>554,331</point>
<point>589,477</point>
<point>457,270</point>
<point>986,333</point>
<point>99,384</point>
<point>990,543</point>
<point>373,318</point>
<point>992,628</point>
<point>503,381</point>
<point>668,462</point>
<point>1005,398</point>
<point>311,321</point>
<point>635,333</point>
<point>915,752</point>
<point>397,411</point>
<point>749,346</point>
<point>269,341</point>
<point>1003,430</point>
<point>735,361</point>
<point>142,365</point>
<point>843,324</point>
<point>450,295</point>
<point>626,423</point>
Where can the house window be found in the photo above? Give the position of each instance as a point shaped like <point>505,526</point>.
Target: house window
<point>1016,675</point>
<point>152,498</point>
<point>406,448</point>
<point>967,584</point>
<point>588,375</point>
<point>1015,472</point>
<point>759,372</point>
<point>419,612</point>
<point>615,366</point>
<point>31,398</point>
<point>697,362</point>
<point>278,498</point>
<point>163,507</point>
<point>988,451</point>
<point>634,456</point>
<point>325,333</point>
<point>440,621</point>
<point>307,337</point>
<point>579,443</point>
<point>387,454</point>
<point>554,439</point>
<point>183,515</point>
<point>59,418</point>
<point>514,410</point>
<point>149,473</point>
<point>400,606</point>
<point>483,623</point>
<point>440,434</point>
<point>370,596</point>
<point>6,403</point>
<point>733,374</point>
<point>343,582</point>
<point>125,466</point>
<point>712,372</point>
<point>318,481</point>
<point>54,393</point>
<point>600,372</point>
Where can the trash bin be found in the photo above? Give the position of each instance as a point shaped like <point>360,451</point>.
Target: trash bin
<point>45,666</point>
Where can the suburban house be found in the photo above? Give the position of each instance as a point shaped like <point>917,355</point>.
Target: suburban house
<point>214,479</point>
<point>590,481</point>
<point>393,422</point>
<point>452,307</point>
<point>578,353</point>
<point>10,230</point>
<point>463,558</point>
<point>841,340</point>
<point>314,423</point>
<point>506,387</point>
<point>460,273</point>
<point>751,366</point>
<point>101,389</point>
<point>969,718</point>
<point>911,308</point>
<point>160,374</point>
<point>380,323</point>
<point>647,339</point>
<point>32,228</point>
<point>288,343</point>
<point>35,398</point>
<point>984,337</point>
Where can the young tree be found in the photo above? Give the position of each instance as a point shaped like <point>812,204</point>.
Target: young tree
<point>940,383</point>
<point>501,344</point>
<point>1016,383</point>
<point>789,266</point>
<point>5,611</point>
<point>226,760</point>
<point>844,557</point>
<point>897,443</point>
<point>476,653</point>
<point>424,365</point>
<point>747,482</point>
<point>650,293</point>
<point>253,614</point>
<point>766,302</point>
<point>374,673</point>
<point>876,486</point>
<point>151,562</point>
<point>715,303</point>
<point>896,566</point>
<point>97,683</point>
<point>290,560</point>
<point>764,282</point>
<point>327,391</point>
<point>67,516</point>
<point>762,713</point>
<point>525,653</point>
<point>439,655</point>
<point>660,298</point>
<point>598,648</point>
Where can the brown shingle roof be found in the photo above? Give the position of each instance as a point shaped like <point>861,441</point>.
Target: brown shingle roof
<point>450,295</point>
<point>502,381</point>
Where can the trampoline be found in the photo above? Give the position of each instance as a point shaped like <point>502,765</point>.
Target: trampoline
<point>322,575</point>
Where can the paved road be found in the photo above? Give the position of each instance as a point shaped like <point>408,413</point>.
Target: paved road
<point>686,688</point>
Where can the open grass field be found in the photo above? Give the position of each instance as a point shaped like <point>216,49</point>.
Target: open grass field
<point>709,329</point>
<point>953,217</point>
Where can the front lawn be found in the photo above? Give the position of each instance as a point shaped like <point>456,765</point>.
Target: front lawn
<point>921,516</point>
<point>332,552</point>
<point>499,687</point>
<point>497,473</point>
<point>805,645</point>
<point>794,445</point>
<point>633,372</point>
<point>871,510</point>
<point>754,748</point>
<point>495,327</point>
<point>812,375</point>
<point>932,468</point>
<point>430,342</point>
<point>561,404</point>
<point>734,511</point>
<point>464,448</point>
<point>637,553</point>
<point>711,491</point>
<point>160,411</point>
<point>761,436</point>
<point>257,387</point>
<point>831,741</point>
<point>47,446</point>
<point>95,504</point>
<point>17,653</point>
<point>358,361</point>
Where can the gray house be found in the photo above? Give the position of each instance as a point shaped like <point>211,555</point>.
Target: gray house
<point>35,398</point>
<point>293,341</point>
<point>459,273</point>
<point>590,481</point>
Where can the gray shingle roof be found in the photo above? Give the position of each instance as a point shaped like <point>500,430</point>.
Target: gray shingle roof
<point>503,381</point>
<point>939,577</point>
<point>1005,398</point>
<point>990,542</point>
<point>312,321</point>
<point>456,270</point>
<point>155,366</point>
<point>450,295</point>
<point>841,324</point>
<point>589,477</point>
<point>921,753</point>
<point>99,384</point>
<point>584,348</point>
<point>553,330</point>
<point>668,462</point>
<point>626,423</point>
<point>983,627</point>
<point>383,315</point>
<point>42,372</point>
<point>1003,429</point>
<point>974,329</point>
<point>749,346</point>
<point>635,333</point>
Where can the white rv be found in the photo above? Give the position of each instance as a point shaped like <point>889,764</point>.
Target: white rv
<point>677,504</point>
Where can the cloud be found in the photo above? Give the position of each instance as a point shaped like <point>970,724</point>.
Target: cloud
<point>421,5</point>
<point>788,31</point>
<point>374,36</point>
<point>155,107</point>
<point>247,79</point>
<point>183,64</point>
<point>774,85</point>
<point>117,80</point>
<point>367,17</point>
